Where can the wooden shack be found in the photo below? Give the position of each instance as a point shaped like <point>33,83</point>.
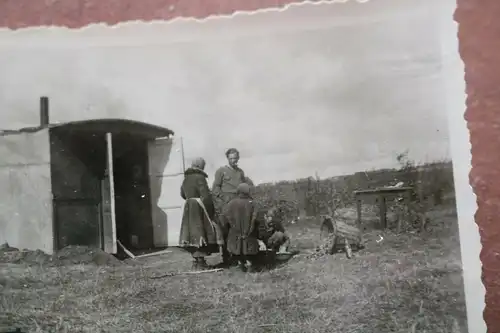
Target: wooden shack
<point>91,183</point>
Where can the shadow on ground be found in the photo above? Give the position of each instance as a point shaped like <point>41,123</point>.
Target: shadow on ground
<point>264,261</point>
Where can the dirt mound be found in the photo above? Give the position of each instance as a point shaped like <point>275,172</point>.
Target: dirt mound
<point>13,255</point>
<point>74,255</point>
<point>5,247</point>
<point>70,255</point>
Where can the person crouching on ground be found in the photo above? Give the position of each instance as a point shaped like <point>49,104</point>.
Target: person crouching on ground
<point>276,238</point>
<point>240,219</point>
<point>200,235</point>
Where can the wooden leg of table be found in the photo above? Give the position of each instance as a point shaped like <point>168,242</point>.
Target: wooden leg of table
<point>383,212</point>
<point>423,221</point>
<point>406,207</point>
<point>358,209</point>
<point>400,216</point>
<point>348,249</point>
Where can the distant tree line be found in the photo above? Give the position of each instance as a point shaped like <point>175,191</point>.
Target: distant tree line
<point>313,196</point>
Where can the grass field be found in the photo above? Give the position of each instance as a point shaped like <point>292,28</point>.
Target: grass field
<point>404,283</point>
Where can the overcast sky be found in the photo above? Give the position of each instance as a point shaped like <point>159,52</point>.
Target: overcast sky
<point>333,89</point>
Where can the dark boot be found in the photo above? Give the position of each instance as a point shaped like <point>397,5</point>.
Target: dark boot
<point>200,264</point>
<point>250,266</point>
<point>241,265</point>
<point>228,260</point>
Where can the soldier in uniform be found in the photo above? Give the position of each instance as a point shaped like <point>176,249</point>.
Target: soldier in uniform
<point>224,189</point>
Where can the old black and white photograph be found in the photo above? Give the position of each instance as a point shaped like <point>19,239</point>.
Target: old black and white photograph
<point>278,171</point>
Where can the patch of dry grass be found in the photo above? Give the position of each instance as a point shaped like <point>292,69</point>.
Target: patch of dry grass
<point>405,283</point>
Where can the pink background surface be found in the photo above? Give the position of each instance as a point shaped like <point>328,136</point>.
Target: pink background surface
<point>479,28</point>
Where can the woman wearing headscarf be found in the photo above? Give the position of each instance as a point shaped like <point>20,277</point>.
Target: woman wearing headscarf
<point>199,235</point>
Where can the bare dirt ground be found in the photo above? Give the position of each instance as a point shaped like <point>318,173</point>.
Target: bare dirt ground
<point>404,283</point>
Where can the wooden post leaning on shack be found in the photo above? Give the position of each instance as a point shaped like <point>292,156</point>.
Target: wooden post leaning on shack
<point>382,194</point>
<point>131,255</point>
<point>423,202</point>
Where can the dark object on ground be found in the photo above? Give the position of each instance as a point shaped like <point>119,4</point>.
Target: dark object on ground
<point>267,260</point>
<point>17,330</point>
<point>284,256</point>
<point>5,247</point>
<point>187,273</point>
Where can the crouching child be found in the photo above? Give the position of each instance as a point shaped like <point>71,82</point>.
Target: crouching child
<point>240,219</point>
<point>274,235</point>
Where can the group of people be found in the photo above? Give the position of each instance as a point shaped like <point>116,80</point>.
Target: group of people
<point>225,219</point>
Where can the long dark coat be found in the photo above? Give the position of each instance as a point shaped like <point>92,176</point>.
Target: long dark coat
<point>197,232</point>
<point>239,217</point>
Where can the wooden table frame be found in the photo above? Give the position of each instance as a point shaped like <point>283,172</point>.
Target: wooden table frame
<point>382,193</point>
